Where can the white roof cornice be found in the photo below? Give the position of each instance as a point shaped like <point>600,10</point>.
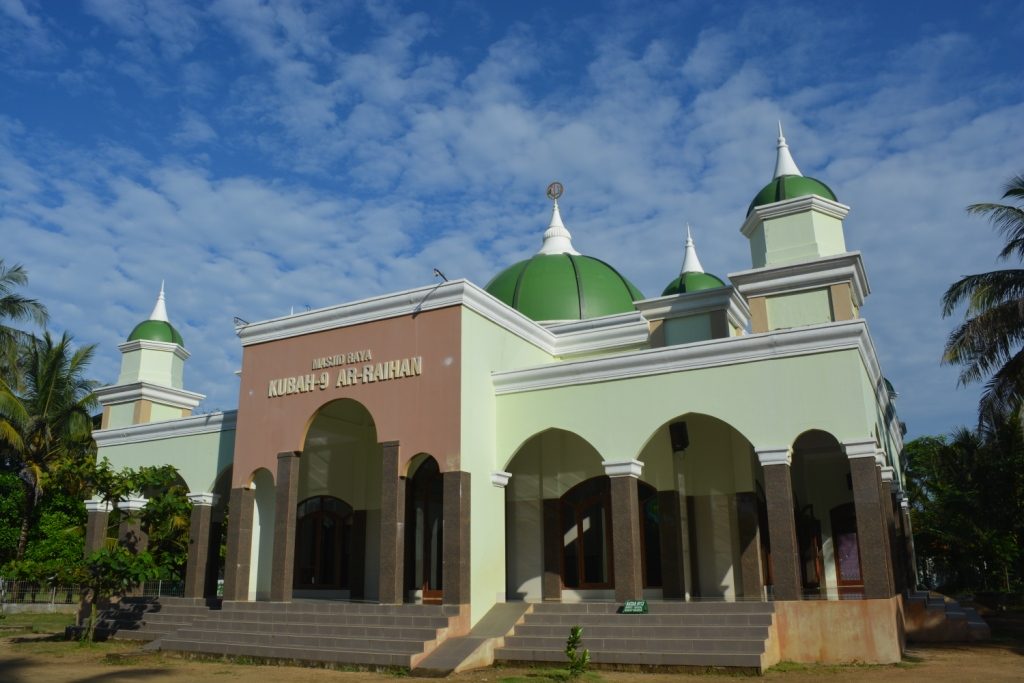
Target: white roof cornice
<point>148,345</point>
<point>167,429</point>
<point>604,334</point>
<point>801,341</point>
<point>804,275</point>
<point>695,303</point>
<point>788,207</point>
<point>126,393</point>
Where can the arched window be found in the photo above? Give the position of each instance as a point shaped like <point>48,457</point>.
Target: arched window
<point>323,543</point>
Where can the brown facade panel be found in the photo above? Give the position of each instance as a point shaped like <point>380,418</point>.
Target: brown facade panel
<point>870,537</point>
<point>392,527</point>
<point>455,539</point>
<point>286,494</point>
<point>626,548</point>
<point>782,532</point>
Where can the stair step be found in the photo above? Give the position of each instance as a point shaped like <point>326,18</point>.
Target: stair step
<point>309,642</point>
<point>699,659</point>
<point>685,632</point>
<point>585,620</point>
<point>322,629</point>
<point>362,657</point>
<point>748,646</point>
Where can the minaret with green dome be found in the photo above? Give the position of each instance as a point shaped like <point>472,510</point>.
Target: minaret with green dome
<point>150,385</point>
<point>793,217</point>
<point>802,273</point>
<point>559,284</point>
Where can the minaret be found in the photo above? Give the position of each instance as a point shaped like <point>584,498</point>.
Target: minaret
<point>802,273</point>
<point>150,386</point>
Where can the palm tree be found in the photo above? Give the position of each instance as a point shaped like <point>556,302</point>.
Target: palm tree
<point>989,342</point>
<point>15,308</point>
<point>46,425</point>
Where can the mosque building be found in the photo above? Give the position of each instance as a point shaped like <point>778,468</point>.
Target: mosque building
<point>546,449</point>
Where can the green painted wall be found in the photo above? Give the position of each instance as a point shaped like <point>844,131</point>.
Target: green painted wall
<point>159,412</point>
<point>770,402</point>
<point>798,309</point>
<point>797,237</point>
<point>149,365</point>
<point>486,347</point>
<point>199,458</point>
<point>121,415</point>
<point>692,328</point>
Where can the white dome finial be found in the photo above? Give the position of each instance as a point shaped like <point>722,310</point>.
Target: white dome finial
<point>691,264</point>
<point>557,239</point>
<point>160,310</point>
<point>784,164</point>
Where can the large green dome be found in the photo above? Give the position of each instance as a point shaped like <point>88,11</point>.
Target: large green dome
<point>549,287</point>
<point>692,282</point>
<point>789,187</point>
<point>156,330</point>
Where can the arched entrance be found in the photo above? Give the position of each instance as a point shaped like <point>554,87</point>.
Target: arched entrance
<point>337,528</point>
<point>424,540</point>
<point>825,520</point>
<point>323,543</point>
<point>699,511</point>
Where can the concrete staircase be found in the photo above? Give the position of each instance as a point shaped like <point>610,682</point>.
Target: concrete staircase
<point>151,618</point>
<point>321,632</point>
<point>683,635</point>
<point>935,618</point>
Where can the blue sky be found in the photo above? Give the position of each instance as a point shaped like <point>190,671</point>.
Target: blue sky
<point>260,156</point>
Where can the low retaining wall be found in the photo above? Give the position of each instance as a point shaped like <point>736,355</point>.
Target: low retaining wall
<point>841,631</point>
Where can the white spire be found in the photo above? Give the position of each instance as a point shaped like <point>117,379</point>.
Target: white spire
<point>691,264</point>
<point>557,239</point>
<point>160,310</point>
<point>784,164</point>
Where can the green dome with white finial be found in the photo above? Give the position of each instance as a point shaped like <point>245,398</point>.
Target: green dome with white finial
<point>788,182</point>
<point>157,328</point>
<point>692,277</point>
<point>559,284</point>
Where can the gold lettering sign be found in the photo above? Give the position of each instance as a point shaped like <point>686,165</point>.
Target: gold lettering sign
<point>352,369</point>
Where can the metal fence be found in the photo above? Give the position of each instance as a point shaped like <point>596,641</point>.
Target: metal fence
<point>156,589</point>
<point>31,593</point>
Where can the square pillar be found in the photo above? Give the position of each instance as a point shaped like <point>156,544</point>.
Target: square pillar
<point>751,572</point>
<point>673,573</point>
<point>908,539</point>
<point>867,501</point>
<point>286,492</point>
<point>392,527</point>
<point>130,532</point>
<point>626,548</point>
<point>455,579</point>
<point>239,551</point>
<point>199,544</point>
<point>98,518</point>
<point>896,582</point>
<point>551,582</point>
<point>778,491</point>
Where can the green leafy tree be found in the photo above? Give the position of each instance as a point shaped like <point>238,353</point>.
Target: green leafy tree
<point>109,572</point>
<point>578,659</point>
<point>967,505</point>
<point>46,426</point>
<point>990,342</point>
<point>15,307</point>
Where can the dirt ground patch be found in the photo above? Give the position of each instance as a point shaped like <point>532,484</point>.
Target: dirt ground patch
<point>33,658</point>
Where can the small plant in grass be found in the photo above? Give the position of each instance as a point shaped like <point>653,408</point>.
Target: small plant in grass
<point>578,659</point>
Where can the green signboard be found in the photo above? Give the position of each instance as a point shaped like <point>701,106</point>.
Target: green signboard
<point>634,607</point>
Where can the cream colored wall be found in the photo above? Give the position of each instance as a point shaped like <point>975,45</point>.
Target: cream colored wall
<point>799,309</point>
<point>486,347</point>
<point>770,402</point>
<point>199,458</point>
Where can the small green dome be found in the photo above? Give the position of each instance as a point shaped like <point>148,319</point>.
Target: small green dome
<point>789,187</point>
<point>549,287</point>
<point>692,282</point>
<point>156,330</point>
